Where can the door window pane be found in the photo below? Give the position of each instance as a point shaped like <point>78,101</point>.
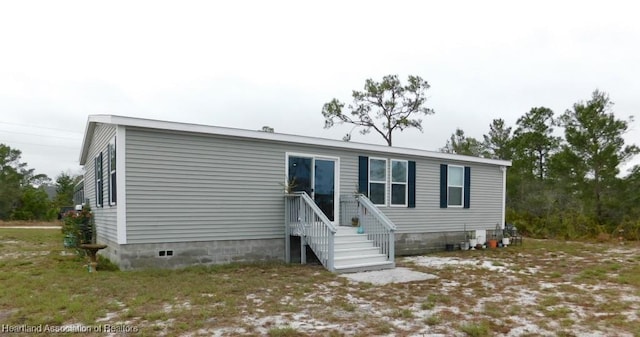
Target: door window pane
<point>300,174</point>
<point>324,187</point>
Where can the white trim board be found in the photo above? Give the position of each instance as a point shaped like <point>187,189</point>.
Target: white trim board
<point>121,188</point>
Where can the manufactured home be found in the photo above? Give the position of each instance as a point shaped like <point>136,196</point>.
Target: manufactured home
<point>168,194</point>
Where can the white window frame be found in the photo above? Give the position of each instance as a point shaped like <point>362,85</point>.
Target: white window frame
<point>112,172</point>
<point>386,179</point>
<point>98,182</point>
<point>405,183</point>
<point>450,185</point>
<point>336,177</point>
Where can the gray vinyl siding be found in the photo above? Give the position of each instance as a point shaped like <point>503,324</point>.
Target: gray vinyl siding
<point>485,201</point>
<point>198,187</point>
<point>105,217</point>
<point>190,187</point>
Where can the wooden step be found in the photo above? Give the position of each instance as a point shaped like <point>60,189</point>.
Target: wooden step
<point>353,244</point>
<point>359,267</point>
<point>364,251</point>
<point>349,260</point>
<point>350,238</point>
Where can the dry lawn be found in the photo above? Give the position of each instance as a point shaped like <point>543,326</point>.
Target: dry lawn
<point>25,223</point>
<point>544,288</point>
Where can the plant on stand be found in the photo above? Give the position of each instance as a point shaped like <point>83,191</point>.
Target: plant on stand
<point>464,245</point>
<point>493,242</point>
<point>506,238</point>
<point>78,228</point>
<point>473,242</point>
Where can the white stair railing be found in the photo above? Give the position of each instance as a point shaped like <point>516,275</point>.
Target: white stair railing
<point>374,223</point>
<point>305,219</point>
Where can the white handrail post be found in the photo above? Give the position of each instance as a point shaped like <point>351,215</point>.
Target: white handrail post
<point>330,261</point>
<point>287,225</point>
<point>392,241</point>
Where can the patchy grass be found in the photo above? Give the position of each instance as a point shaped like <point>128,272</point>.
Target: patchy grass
<point>476,329</point>
<point>552,287</point>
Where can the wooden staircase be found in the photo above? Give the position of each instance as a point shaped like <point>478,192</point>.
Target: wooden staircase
<point>340,248</point>
<point>353,252</point>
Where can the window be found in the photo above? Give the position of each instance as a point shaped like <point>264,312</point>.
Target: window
<point>455,185</point>
<point>378,181</point>
<point>399,175</point>
<point>372,181</point>
<point>98,179</point>
<point>112,172</point>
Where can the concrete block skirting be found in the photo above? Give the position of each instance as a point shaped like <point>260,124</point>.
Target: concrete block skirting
<point>183,254</point>
<point>112,252</point>
<point>422,243</point>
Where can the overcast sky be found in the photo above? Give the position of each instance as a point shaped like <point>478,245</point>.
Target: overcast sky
<point>246,64</point>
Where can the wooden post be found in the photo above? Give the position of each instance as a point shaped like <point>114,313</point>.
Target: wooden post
<point>303,250</point>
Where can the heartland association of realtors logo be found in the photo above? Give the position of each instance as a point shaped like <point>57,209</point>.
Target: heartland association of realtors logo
<point>72,328</point>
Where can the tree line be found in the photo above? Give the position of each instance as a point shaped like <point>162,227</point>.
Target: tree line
<point>565,183</point>
<point>562,183</point>
<point>23,194</point>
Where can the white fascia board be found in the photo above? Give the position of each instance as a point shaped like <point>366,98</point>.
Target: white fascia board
<point>92,121</point>
<point>280,137</point>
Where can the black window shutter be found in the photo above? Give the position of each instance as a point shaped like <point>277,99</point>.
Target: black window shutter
<point>467,186</point>
<point>95,179</point>
<point>363,175</point>
<point>443,185</point>
<point>101,187</point>
<point>109,174</point>
<point>411,199</point>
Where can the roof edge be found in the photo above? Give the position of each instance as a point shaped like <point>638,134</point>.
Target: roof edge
<point>281,137</point>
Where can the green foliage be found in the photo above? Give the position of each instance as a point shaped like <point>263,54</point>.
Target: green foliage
<point>34,204</point>
<point>461,144</point>
<point>65,184</point>
<point>533,142</point>
<point>10,180</point>
<point>498,143</point>
<point>79,226</point>
<point>383,106</point>
<point>569,187</point>
<point>594,150</point>
<point>20,197</point>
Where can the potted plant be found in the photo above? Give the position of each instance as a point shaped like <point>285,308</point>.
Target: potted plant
<point>472,239</point>
<point>289,185</point>
<point>78,228</point>
<point>355,221</point>
<point>506,239</point>
<point>493,242</point>
<point>464,245</point>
